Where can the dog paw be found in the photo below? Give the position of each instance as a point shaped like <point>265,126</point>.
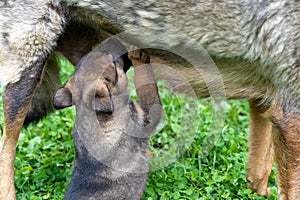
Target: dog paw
<point>259,186</point>
<point>138,56</point>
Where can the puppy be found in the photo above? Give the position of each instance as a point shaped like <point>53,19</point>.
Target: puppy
<point>110,132</point>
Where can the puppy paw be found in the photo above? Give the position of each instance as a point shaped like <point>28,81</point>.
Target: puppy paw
<point>138,56</point>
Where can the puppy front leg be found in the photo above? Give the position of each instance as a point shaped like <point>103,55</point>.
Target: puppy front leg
<point>144,81</point>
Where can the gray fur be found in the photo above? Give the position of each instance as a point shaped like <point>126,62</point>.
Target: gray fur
<point>256,32</point>
<point>262,34</point>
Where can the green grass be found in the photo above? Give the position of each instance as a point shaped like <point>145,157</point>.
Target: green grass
<point>178,169</point>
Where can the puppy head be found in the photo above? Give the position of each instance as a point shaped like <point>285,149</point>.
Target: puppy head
<point>99,78</point>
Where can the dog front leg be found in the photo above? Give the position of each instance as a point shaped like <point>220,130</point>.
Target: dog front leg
<point>16,99</point>
<point>260,156</point>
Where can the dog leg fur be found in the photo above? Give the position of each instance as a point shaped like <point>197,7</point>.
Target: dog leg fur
<point>16,100</point>
<point>41,103</point>
<point>286,136</point>
<point>260,157</point>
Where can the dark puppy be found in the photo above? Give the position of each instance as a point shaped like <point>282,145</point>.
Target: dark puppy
<point>111,132</point>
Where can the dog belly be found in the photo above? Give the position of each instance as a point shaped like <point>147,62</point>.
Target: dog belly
<point>239,79</point>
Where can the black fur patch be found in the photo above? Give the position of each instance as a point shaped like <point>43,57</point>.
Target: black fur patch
<point>17,95</point>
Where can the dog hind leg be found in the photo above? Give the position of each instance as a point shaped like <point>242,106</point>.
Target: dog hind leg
<point>286,137</point>
<point>260,157</point>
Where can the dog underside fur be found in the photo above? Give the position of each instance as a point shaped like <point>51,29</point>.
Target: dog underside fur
<point>253,44</point>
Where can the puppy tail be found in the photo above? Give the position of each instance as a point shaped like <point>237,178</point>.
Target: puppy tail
<point>41,103</point>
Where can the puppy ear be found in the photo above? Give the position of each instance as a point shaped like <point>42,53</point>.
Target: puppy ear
<point>103,101</point>
<point>62,98</point>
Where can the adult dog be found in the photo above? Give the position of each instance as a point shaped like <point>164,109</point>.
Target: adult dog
<point>255,45</point>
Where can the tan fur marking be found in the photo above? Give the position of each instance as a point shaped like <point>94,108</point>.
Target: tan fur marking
<point>260,150</point>
<point>286,137</point>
